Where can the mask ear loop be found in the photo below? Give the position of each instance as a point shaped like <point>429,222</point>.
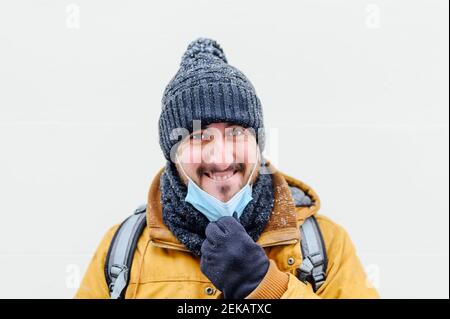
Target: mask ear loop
<point>254,166</point>
<point>249,180</point>
<point>182,169</point>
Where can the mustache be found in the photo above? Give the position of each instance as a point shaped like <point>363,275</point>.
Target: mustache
<point>212,168</point>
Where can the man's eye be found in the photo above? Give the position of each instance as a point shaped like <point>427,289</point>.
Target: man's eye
<point>200,136</point>
<point>237,131</point>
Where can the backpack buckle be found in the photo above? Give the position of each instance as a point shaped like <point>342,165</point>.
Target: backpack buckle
<point>116,270</point>
<point>306,271</point>
<point>119,273</point>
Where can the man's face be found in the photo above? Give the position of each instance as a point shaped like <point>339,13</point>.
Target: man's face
<point>219,158</point>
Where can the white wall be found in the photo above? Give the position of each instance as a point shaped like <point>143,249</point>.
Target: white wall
<point>357,92</point>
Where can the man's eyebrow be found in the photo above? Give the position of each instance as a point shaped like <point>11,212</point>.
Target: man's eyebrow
<point>227,124</point>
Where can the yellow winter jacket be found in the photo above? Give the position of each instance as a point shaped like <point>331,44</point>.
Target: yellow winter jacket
<point>163,268</point>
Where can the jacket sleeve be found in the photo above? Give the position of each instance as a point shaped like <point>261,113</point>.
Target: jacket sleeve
<point>345,275</point>
<point>93,285</point>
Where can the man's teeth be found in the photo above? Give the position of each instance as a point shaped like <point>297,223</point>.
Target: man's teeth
<point>218,177</point>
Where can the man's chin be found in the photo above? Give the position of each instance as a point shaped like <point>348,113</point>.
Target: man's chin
<point>222,189</point>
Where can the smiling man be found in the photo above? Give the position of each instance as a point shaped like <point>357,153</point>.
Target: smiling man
<point>220,220</point>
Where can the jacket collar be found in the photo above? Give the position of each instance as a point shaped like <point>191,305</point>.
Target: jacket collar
<point>281,229</point>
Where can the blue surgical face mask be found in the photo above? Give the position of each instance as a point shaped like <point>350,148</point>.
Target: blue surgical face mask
<point>214,208</point>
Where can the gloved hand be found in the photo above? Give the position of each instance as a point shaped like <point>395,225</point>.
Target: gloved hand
<point>233,262</point>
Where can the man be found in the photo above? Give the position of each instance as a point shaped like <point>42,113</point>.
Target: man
<point>222,222</point>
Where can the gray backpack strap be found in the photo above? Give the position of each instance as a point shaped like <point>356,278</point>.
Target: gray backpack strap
<point>314,266</point>
<point>121,251</point>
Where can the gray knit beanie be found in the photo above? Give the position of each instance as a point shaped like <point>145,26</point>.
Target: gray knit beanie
<point>208,89</point>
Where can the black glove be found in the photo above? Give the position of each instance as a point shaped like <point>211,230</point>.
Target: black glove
<point>233,262</point>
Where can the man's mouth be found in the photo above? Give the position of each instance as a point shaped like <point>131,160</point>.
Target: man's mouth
<point>221,176</point>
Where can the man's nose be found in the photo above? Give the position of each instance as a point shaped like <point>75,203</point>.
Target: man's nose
<point>220,152</point>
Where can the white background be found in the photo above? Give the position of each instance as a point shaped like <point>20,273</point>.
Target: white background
<point>356,92</point>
